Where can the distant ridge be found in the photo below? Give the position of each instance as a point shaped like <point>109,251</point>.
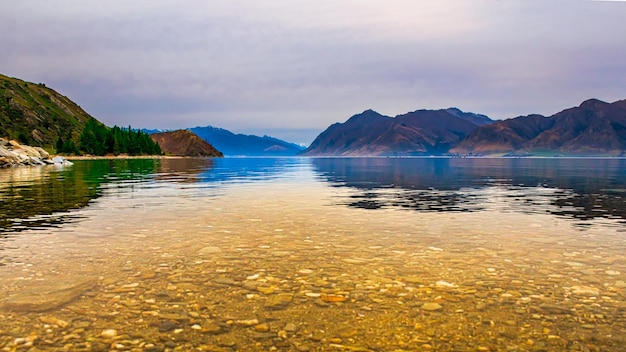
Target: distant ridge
<point>421,132</point>
<point>477,119</point>
<point>232,144</point>
<point>184,143</point>
<point>593,128</point>
<point>36,115</point>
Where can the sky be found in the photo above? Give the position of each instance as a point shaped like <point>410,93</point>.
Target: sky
<point>289,69</point>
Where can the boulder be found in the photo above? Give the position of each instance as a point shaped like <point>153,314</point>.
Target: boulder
<point>14,154</point>
<point>59,160</point>
<point>48,295</point>
<point>42,153</point>
<point>27,150</point>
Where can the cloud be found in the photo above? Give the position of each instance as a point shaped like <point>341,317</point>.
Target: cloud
<point>301,65</point>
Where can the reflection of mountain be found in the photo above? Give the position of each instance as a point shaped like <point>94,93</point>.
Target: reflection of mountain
<point>581,188</point>
<point>182,170</point>
<point>43,197</point>
<point>222,170</point>
<point>36,197</point>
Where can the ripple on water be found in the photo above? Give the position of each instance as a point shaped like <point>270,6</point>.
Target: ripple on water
<point>213,273</point>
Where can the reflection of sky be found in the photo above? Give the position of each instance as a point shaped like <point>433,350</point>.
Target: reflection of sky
<point>249,169</point>
<point>191,177</point>
<point>574,188</point>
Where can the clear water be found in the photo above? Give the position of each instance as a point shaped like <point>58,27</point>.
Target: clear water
<point>298,254</point>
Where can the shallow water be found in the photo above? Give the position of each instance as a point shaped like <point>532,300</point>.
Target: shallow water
<point>315,255</point>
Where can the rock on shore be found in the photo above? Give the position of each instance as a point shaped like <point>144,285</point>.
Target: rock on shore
<point>12,153</point>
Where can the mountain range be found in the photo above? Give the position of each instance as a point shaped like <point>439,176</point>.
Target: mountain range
<point>232,144</point>
<point>595,128</point>
<point>421,132</point>
<point>39,116</point>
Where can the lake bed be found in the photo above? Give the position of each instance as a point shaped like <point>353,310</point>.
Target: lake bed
<point>318,255</point>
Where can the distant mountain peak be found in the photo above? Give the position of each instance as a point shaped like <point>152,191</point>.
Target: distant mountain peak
<point>454,110</point>
<point>592,104</point>
<point>478,119</point>
<point>369,112</point>
<point>369,115</point>
<point>232,144</point>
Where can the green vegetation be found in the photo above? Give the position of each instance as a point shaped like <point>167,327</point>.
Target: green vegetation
<point>97,139</point>
<point>36,115</point>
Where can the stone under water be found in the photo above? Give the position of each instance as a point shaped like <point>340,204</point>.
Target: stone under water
<point>48,295</point>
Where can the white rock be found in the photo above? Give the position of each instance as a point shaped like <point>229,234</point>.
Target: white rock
<point>210,250</point>
<point>59,160</point>
<point>431,306</point>
<point>585,290</point>
<point>109,333</point>
<point>442,283</point>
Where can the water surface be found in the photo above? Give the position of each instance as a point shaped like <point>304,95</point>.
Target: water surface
<point>363,254</point>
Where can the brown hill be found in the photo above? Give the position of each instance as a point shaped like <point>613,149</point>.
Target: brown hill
<point>353,137</point>
<point>593,128</point>
<point>503,136</point>
<point>184,143</point>
<point>416,133</point>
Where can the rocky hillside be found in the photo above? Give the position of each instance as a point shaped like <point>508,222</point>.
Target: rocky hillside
<point>36,115</point>
<point>184,143</point>
<point>593,128</point>
<point>422,132</point>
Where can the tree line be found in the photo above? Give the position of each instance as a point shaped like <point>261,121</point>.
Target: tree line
<point>98,139</point>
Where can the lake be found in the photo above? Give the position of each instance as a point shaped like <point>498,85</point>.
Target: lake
<point>314,254</point>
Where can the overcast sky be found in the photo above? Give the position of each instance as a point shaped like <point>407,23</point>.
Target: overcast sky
<point>291,68</point>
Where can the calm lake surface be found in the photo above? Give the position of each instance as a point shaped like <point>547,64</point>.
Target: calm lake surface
<point>314,254</point>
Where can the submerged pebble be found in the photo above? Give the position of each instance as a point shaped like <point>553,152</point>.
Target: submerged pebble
<point>208,278</point>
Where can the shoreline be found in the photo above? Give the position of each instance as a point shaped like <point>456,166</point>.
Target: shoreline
<point>122,157</point>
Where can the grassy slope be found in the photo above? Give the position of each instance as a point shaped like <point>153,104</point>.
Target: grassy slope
<point>37,115</point>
